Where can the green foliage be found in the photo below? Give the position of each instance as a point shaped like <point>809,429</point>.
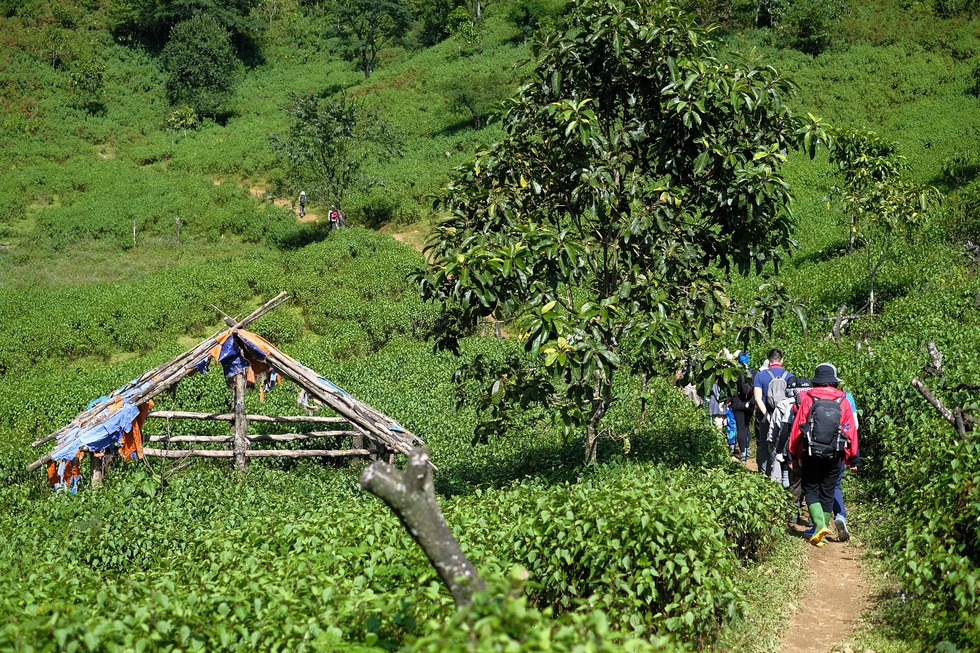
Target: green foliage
<point>476,96</point>
<point>625,181</point>
<point>367,26</point>
<point>432,17</point>
<point>464,28</point>
<point>500,619</point>
<point>86,84</point>
<point>327,145</point>
<point>102,202</point>
<point>963,218</point>
<point>807,25</point>
<point>640,544</point>
<point>183,118</point>
<point>531,16</point>
<point>152,21</point>
<point>881,204</point>
<point>201,65</point>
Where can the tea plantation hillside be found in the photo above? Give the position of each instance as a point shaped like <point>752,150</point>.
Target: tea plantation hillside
<point>665,544</point>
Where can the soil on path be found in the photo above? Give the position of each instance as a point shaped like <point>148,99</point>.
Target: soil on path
<point>260,191</point>
<point>830,606</point>
<point>833,595</point>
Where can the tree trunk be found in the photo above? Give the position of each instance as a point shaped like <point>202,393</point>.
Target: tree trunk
<point>240,425</point>
<point>411,496</point>
<point>871,299</point>
<point>600,404</point>
<point>97,466</point>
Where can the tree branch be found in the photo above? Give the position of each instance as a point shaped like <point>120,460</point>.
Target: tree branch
<point>411,496</point>
<point>937,360</point>
<point>937,404</point>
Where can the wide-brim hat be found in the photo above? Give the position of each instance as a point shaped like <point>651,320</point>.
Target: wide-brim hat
<point>825,374</point>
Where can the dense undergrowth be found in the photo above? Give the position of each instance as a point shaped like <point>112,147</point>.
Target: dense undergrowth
<point>658,539</point>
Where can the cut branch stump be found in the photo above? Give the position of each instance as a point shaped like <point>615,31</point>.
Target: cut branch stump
<point>410,494</point>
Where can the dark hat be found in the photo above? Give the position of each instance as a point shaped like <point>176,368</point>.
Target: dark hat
<point>797,384</point>
<point>825,374</point>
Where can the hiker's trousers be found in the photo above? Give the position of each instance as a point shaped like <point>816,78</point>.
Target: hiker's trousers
<point>819,480</point>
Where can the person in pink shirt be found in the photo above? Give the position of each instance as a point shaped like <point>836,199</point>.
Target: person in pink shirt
<point>822,440</point>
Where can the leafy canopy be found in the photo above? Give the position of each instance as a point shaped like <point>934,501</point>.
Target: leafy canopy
<point>636,168</point>
<point>152,20</point>
<point>201,66</point>
<point>367,26</point>
<point>882,204</point>
<point>327,144</point>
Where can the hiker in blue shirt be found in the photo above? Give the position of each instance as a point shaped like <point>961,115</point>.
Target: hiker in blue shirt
<point>768,388</point>
<point>840,512</point>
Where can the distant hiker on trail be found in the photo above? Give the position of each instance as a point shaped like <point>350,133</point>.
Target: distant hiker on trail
<point>742,405</point>
<point>302,203</point>
<point>717,408</point>
<point>823,438</point>
<point>337,218</point>
<point>769,388</point>
<point>779,430</point>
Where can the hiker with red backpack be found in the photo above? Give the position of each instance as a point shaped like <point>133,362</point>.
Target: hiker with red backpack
<point>337,217</point>
<point>822,440</point>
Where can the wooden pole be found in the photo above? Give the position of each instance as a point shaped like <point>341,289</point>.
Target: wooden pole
<point>230,417</point>
<point>278,437</point>
<point>96,468</point>
<point>256,453</point>
<point>306,453</point>
<point>239,427</point>
<point>182,453</point>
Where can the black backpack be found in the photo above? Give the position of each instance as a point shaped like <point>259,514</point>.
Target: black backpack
<point>824,435</point>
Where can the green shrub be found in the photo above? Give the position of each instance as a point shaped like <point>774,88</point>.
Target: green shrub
<point>201,65</point>
<point>499,619</point>
<point>809,26</point>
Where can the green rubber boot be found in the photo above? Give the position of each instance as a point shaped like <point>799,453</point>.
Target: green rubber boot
<point>819,519</point>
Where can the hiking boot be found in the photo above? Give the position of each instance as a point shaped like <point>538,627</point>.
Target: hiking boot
<point>843,534</point>
<point>810,531</point>
<point>817,538</point>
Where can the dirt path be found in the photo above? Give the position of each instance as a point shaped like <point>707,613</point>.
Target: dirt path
<point>834,594</point>
<point>259,192</point>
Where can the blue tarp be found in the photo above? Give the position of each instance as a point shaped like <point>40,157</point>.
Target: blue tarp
<point>235,353</point>
<point>97,438</point>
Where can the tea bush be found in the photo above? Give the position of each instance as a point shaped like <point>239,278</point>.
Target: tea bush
<point>500,619</point>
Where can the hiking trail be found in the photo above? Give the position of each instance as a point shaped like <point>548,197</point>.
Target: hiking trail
<point>833,595</point>
<point>259,192</point>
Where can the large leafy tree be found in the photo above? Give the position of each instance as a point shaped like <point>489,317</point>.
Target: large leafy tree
<point>201,66</point>
<point>367,26</point>
<point>636,170</point>
<point>327,144</point>
<point>152,20</point>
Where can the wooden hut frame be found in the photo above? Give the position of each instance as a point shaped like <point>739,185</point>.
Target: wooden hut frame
<point>383,435</point>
